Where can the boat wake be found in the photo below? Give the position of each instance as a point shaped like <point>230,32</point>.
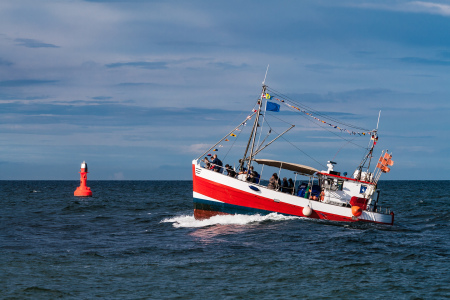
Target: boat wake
<point>191,222</point>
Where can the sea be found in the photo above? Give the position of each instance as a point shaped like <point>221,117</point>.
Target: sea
<point>139,240</point>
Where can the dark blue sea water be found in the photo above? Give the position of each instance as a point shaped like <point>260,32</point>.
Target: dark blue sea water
<point>139,240</point>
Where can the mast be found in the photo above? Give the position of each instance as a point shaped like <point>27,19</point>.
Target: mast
<point>252,137</point>
<point>256,125</point>
<point>373,140</point>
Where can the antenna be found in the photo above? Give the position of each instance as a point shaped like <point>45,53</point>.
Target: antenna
<point>264,82</point>
<point>378,119</point>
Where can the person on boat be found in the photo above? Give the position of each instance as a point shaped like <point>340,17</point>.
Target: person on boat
<point>273,182</point>
<point>256,177</point>
<point>250,174</point>
<point>207,163</point>
<point>217,163</point>
<point>285,186</point>
<point>253,177</point>
<point>230,171</point>
<point>291,186</point>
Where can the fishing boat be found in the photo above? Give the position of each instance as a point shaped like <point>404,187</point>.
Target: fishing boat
<point>317,194</point>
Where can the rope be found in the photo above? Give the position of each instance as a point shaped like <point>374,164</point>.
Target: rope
<point>305,107</point>
<point>295,146</point>
<point>320,125</point>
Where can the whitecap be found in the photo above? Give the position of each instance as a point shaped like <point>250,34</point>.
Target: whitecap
<point>190,222</point>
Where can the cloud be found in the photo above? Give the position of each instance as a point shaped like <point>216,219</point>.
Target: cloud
<point>424,61</point>
<point>429,7</point>
<point>5,62</point>
<point>31,43</point>
<point>197,148</point>
<point>421,7</point>
<point>85,113</point>
<point>140,64</point>
<point>136,84</point>
<point>25,82</point>
<point>102,98</point>
<point>229,66</point>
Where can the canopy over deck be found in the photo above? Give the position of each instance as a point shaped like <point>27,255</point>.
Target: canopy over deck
<point>287,166</point>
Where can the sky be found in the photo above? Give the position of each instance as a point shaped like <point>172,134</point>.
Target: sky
<point>138,89</point>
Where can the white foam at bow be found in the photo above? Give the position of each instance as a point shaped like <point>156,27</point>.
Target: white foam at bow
<point>190,221</point>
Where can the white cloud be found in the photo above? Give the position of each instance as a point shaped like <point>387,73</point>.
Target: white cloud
<point>429,7</point>
<point>409,6</point>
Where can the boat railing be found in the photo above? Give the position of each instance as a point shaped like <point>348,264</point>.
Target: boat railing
<point>380,210</point>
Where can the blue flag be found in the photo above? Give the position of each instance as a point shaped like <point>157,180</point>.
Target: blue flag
<point>270,106</point>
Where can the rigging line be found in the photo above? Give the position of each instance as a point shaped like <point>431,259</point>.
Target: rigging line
<point>340,149</point>
<point>268,133</point>
<point>326,128</point>
<point>243,113</point>
<point>279,119</point>
<point>304,152</point>
<point>261,129</point>
<point>262,143</point>
<point>305,107</point>
<point>326,117</point>
<point>288,99</point>
<point>296,147</point>
<point>232,145</point>
<point>239,116</point>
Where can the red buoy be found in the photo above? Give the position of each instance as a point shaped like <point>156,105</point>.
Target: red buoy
<point>83,190</point>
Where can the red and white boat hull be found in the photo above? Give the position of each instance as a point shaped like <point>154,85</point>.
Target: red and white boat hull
<point>215,193</point>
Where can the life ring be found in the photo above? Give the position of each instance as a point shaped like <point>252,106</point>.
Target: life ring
<point>322,196</point>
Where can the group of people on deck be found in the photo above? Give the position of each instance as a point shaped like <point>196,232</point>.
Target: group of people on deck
<point>215,164</point>
<point>287,186</point>
<point>249,175</point>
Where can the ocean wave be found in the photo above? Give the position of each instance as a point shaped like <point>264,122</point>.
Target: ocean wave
<point>190,222</point>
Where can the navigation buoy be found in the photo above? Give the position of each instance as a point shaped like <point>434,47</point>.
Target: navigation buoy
<point>83,190</point>
<point>356,211</point>
<point>307,211</point>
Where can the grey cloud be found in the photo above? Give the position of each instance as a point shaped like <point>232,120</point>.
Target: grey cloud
<point>25,82</point>
<point>140,64</point>
<point>102,98</point>
<point>31,43</point>
<point>229,66</point>
<point>424,61</point>
<point>5,62</point>
<point>89,114</point>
